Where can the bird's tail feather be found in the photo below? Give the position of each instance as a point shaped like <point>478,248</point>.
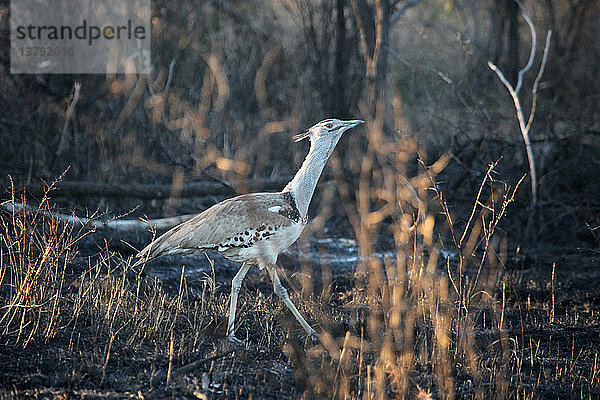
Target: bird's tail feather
<point>144,255</point>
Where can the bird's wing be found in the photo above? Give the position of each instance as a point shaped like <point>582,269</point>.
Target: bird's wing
<point>219,225</point>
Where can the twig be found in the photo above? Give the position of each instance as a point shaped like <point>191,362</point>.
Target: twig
<point>170,368</point>
<point>62,146</point>
<point>223,91</point>
<point>522,127</point>
<point>537,80</point>
<point>527,67</point>
<point>399,12</point>
<point>170,77</point>
<point>193,365</point>
<point>552,310</point>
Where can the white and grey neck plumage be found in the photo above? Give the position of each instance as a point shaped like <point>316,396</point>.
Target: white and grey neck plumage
<point>323,139</point>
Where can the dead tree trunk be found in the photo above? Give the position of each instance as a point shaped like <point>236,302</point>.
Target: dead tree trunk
<point>340,108</point>
<point>374,27</point>
<point>513,41</point>
<point>505,37</point>
<point>374,24</point>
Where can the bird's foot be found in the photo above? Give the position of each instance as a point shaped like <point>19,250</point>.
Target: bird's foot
<point>235,341</point>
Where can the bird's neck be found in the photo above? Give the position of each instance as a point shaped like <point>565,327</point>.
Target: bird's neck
<point>305,181</point>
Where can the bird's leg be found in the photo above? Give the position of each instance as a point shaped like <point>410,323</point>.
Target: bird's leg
<point>236,285</point>
<point>281,291</point>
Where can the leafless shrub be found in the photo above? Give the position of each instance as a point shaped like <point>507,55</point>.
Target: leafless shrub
<point>36,249</point>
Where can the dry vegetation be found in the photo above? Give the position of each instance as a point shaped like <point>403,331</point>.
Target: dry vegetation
<point>445,296</point>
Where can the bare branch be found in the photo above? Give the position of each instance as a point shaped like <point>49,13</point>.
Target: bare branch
<point>399,12</point>
<point>523,128</point>
<point>214,64</point>
<point>514,93</point>
<point>359,10</point>
<point>62,146</point>
<point>260,79</point>
<point>537,80</point>
<point>171,67</point>
<point>527,67</point>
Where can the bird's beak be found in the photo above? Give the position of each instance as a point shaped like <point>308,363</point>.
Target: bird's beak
<point>301,135</point>
<point>353,122</point>
<point>346,125</point>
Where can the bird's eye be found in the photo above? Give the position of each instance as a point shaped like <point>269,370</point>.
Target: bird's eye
<point>329,125</point>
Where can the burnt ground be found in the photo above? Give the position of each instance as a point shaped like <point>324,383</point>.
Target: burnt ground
<point>547,347</point>
<point>553,324</point>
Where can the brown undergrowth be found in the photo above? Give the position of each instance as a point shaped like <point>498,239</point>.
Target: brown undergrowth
<point>411,317</point>
<point>439,314</point>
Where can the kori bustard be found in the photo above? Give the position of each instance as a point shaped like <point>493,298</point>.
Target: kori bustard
<point>255,228</point>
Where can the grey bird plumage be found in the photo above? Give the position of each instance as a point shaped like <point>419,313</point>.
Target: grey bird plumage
<point>255,228</point>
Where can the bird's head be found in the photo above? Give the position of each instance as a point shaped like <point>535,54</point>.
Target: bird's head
<point>331,129</point>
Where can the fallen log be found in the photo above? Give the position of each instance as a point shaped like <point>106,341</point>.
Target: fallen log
<point>139,191</point>
<point>128,225</point>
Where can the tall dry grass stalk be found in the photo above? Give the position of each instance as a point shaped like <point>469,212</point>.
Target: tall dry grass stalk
<point>411,318</point>
<point>35,251</point>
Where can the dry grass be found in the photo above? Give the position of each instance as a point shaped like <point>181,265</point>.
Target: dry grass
<point>440,316</point>
<point>415,312</point>
<point>34,255</point>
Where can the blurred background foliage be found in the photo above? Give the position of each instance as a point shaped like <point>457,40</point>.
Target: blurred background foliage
<point>232,80</point>
<point>442,299</point>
